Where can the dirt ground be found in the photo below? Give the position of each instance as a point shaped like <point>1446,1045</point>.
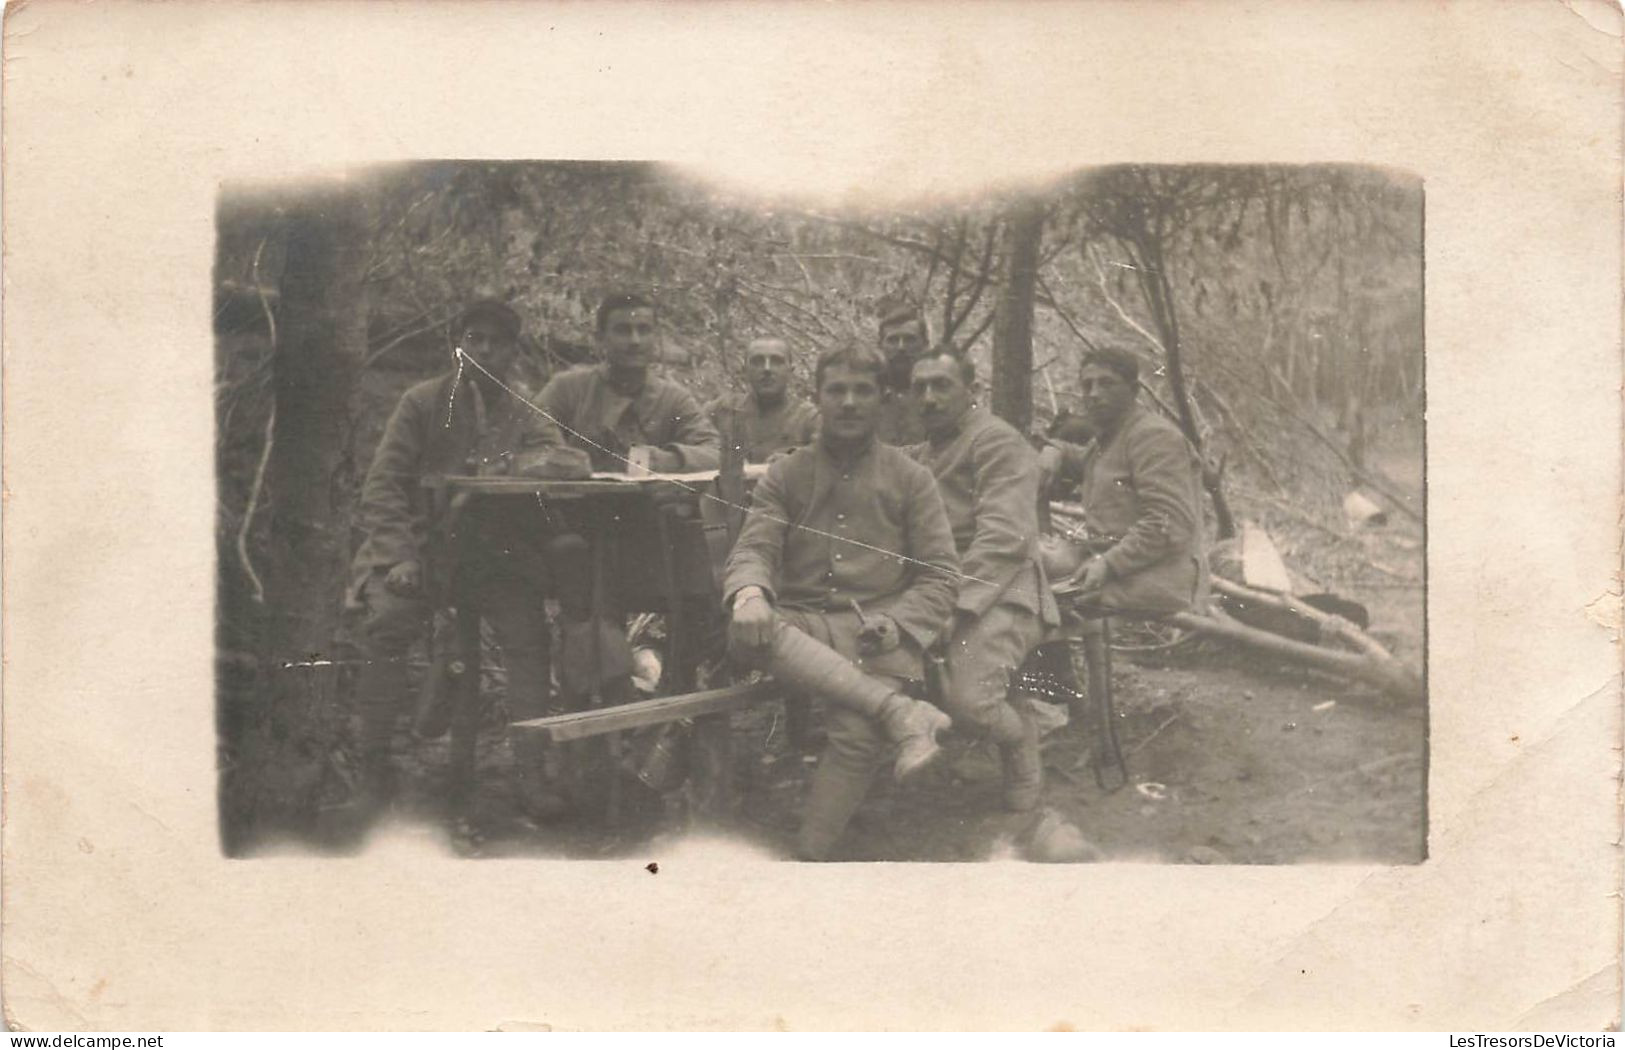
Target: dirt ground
<point>1229,761</point>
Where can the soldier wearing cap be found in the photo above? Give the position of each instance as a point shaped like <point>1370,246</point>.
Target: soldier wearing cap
<point>461,422</point>
<point>1141,494</point>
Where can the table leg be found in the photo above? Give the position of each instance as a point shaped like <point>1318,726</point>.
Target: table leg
<point>596,609</point>
<point>465,724</point>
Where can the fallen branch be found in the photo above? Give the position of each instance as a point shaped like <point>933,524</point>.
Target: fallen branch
<point>1330,625</point>
<point>1384,672</point>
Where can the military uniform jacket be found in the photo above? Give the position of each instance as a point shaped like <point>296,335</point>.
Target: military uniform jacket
<point>593,413</point>
<point>823,532</point>
<point>759,435</point>
<point>1141,491</point>
<point>433,431</point>
<point>988,477</point>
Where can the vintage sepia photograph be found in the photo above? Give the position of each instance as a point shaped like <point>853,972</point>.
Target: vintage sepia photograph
<point>568,509</point>
<point>786,517</point>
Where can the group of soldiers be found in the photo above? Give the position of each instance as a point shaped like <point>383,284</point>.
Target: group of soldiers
<point>895,528</point>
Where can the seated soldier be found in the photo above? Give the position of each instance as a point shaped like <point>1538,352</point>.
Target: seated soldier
<point>1141,495</point>
<point>842,576</point>
<point>622,416</point>
<point>768,419</point>
<point>1142,502</point>
<point>461,422</point>
<point>618,411</point>
<point>988,477</point>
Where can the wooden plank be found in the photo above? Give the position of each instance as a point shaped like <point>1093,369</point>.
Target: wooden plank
<point>1261,564</point>
<point>579,725</point>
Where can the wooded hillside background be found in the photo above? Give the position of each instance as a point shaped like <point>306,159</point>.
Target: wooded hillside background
<point>1278,311</point>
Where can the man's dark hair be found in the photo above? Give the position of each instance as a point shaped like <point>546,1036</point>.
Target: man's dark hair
<point>967,367</point>
<point>898,313</point>
<point>621,301</point>
<point>855,356</point>
<point>494,310</point>
<point>1122,362</point>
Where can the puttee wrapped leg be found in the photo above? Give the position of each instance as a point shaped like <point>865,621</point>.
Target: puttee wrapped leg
<point>799,660</point>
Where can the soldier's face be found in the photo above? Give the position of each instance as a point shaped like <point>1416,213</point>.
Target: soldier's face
<point>767,368</point>
<point>489,344</point>
<point>1106,397</point>
<point>628,338</point>
<point>940,393</point>
<point>848,403</point>
<point>903,340</point>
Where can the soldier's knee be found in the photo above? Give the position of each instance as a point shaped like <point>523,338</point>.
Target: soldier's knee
<point>392,623</point>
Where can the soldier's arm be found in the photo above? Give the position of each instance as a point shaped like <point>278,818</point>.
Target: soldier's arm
<point>538,432</point>
<point>1006,517</point>
<point>758,553</point>
<point>390,499</point>
<point>923,611</point>
<point>695,439</point>
<point>1164,484</point>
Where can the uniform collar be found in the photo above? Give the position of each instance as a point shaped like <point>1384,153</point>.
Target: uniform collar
<point>851,458</point>
<point>609,383</point>
<point>1133,412</point>
<point>954,430</point>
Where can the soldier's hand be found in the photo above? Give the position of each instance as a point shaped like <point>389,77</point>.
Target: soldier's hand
<point>879,635</point>
<point>750,631</point>
<point>1094,575</point>
<point>405,578</point>
<point>664,461</point>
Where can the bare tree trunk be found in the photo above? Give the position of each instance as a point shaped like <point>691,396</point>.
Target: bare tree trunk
<point>309,490</point>
<point>311,471</point>
<point>1013,315</point>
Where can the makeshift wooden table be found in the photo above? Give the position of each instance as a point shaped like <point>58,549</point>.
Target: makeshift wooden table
<point>645,558</point>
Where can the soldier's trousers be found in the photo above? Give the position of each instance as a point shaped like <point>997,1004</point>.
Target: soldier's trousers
<point>511,602</point>
<point>856,748</point>
<point>980,658</point>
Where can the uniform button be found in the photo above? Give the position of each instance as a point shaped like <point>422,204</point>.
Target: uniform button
<point>840,517</point>
<point>837,557</point>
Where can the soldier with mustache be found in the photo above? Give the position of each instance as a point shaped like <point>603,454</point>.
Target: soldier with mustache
<point>988,476</point>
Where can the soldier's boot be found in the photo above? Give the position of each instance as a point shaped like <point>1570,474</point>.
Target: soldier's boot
<point>835,795</point>
<point>378,693</point>
<point>913,725</point>
<point>802,661</point>
<point>1016,734</point>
